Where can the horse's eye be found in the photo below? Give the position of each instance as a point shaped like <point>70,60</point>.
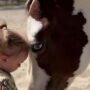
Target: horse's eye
<point>37,47</point>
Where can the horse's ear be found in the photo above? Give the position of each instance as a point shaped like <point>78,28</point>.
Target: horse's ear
<point>28,4</point>
<point>33,8</point>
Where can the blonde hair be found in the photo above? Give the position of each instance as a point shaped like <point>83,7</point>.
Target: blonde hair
<point>13,43</point>
<point>3,24</point>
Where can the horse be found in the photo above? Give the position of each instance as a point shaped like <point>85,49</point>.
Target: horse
<point>59,37</point>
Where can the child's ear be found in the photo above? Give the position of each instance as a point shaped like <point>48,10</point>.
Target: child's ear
<point>3,57</point>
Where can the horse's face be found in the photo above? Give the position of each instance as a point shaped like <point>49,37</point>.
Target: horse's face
<point>52,32</point>
<point>56,35</point>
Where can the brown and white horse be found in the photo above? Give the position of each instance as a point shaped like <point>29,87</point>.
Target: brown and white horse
<point>59,36</point>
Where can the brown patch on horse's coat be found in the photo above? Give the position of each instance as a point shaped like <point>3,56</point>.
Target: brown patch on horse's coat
<point>64,40</point>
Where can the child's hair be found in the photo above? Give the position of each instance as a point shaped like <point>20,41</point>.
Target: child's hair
<point>2,24</point>
<point>12,43</point>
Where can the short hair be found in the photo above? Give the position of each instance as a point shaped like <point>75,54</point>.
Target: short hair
<point>13,44</point>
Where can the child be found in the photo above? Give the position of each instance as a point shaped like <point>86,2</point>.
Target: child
<point>13,51</point>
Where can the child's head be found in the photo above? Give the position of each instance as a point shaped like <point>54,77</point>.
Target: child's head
<point>13,50</point>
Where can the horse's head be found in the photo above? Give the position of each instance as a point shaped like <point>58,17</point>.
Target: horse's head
<point>56,37</point>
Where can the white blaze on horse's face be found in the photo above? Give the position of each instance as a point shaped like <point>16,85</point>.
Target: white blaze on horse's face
<point>38,75</point>
<point>33,27</point>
